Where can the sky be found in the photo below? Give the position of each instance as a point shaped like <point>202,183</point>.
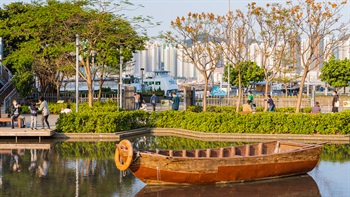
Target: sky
<point>167,10</point>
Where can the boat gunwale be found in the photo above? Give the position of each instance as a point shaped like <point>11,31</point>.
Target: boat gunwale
<point>301,147</point>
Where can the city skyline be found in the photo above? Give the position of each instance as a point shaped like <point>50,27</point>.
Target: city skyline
<point>162,56</point>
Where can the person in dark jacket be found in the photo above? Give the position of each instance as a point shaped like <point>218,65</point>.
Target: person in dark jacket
<point>175,101</point>
<point>154,101</point>
<point>271,103</point>
<point>335,102</point>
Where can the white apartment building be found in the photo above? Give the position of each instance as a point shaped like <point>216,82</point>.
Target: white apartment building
<point>161,56</point>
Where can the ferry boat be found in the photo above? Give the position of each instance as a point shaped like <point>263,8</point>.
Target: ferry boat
<point>161,80</point>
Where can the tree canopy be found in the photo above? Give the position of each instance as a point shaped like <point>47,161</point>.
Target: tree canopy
<point>40,40</point>
<point>336,72</point>
<point>250,72</point>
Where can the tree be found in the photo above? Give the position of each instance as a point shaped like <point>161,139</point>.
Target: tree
<point>235,30</point>
<point>197,39</point>
<point>318,23</point>
<point>275,35</point>
<point>250,73</point>
<point>38,45</point>
<point>47,43</point>
<point>287,73</point>
<point>336,72</point>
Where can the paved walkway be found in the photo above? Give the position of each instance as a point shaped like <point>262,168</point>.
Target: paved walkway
<point>52,121</point>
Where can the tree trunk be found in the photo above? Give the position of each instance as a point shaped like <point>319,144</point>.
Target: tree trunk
<point>239,91</point>
<point>90,95</point>
<point>57,92</point>
<point>302,82</point>
<point>205,93</point>
<point>101,84</point>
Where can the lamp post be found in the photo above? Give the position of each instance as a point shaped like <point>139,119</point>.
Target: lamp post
<point>120,80</point>
<point>142,69</point>
<point>77,72</point>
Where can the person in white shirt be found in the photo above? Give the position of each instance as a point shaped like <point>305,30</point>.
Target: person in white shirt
<point>44,108</point>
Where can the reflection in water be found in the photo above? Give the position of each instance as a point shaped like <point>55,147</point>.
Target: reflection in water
<point>290,186</point>
<point>88,169</point>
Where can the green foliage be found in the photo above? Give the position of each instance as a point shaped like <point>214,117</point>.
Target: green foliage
<point>336,152</point>
<point>180,143</point>
<point>91,150</point>
<point>232,109</point>
<point>250,73</point>
<point>269,123</point>
<point>41,37</point>
<point>336,72</point>
<point>158,92</point>
<point>101,120</point>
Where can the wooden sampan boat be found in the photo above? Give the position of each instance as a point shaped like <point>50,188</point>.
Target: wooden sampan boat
<point>220,165</point>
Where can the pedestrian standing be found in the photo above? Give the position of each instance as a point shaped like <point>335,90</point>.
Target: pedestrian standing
<point>44,108</point>
<point>136,101</point>
<point>33,116</point>
<point>175,102</point>
<point>335,102</point>
<point>141,100</point>
<point>251,100</point>
<point>154,101</point>
<point>15,112</point>
<point>271,103</point>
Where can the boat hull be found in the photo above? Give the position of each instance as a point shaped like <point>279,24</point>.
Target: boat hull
<point>153,169</point>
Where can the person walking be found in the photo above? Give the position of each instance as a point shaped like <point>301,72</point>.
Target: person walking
<point>33,116</point>
<point>251,100</point>
<point>154,101</point>
<point>271,103</point>
<point>44,108</point>
<point>175,102</point>
<point>335,102</point>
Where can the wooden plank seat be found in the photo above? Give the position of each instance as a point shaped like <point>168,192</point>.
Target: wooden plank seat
<point>19,121</point>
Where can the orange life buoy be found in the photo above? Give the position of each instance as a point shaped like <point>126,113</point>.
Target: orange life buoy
<point>123,151</point>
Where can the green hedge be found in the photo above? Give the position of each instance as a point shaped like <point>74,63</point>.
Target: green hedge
<point>267,123</point>
<point>101,122</point>
<point>105,118</point>
<point>233,109</point>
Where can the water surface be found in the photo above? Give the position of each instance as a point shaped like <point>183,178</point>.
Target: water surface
<point>88,169</point>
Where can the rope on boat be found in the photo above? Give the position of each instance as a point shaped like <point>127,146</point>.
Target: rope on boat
<point>158,174</point>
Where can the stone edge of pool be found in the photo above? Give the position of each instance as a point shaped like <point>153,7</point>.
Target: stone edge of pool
<point>203,136</point>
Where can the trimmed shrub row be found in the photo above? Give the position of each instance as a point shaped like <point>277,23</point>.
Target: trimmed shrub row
<point>105,119</point>
<point>262,123</point>
<point>232,109</point>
